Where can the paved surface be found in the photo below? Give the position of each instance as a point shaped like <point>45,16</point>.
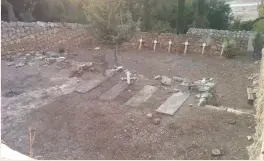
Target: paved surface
<point>71,125</point>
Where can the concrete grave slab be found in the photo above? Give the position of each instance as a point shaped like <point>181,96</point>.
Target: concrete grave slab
<point>173,103</point>
<point>142,96</point>
<point>86,86</point>
<point>113,92</point>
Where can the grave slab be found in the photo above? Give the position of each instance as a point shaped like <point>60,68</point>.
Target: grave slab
<point>142,96</point>
<point>173,103</point>
<point>113,92</point>
<point>87,86</point>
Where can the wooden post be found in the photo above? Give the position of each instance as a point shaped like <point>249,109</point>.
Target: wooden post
<point>204,44</point>
<point>185,49</point>
<point>128,77</point>
<point>170,43</point>
<point>222,50</point>
<point>140,43</point>
<point>155,43</point>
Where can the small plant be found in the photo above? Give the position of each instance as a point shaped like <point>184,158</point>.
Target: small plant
<point>230,49</point>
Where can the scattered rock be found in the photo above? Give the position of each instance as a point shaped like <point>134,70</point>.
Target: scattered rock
<point>157,77</point>
<point>206,95</point>
<point>202,102</point>
<point>249,138</point>
<point>184,83</point>
<point>76,72</point>
<point>176,90</point>
<point>190,105</point>
<point>53,54</point>
<point>110,72</point>
<point>166,80</point>
<point>61,59</point>
<point>179,79</point>
<point>256,62</point>
<point>149,115</point>
<point>50,60</point>
<point>20,65</point>
<point>216,152</point>
<point>75,54</point>
<point>231,121</point>
<point>19,54</point>
<point>255,82</point>
<point>156,121</point>
<point>11,64</point>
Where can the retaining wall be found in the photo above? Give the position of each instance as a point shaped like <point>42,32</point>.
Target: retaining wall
<point>256,150</point>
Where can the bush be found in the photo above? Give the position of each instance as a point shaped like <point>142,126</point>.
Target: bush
<point>230,49</point>
<point>162,27</point>
<point>258,44</point>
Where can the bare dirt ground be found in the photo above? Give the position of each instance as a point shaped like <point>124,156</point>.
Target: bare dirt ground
<point>70,125</point>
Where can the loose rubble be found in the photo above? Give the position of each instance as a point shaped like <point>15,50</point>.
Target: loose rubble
<point>156,121</point>
<point>166,80</point>
<point>149,115</point>
<point>216,152</point>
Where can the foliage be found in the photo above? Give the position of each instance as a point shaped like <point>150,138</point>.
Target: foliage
<point>261,10</point>
<point>219,14</point>
<point>238,25</point>
<point>258,44</point>
<point>162,27</point>
<point>230,49</point>
<point>259,25</point>
<point>181,17</point>
<point>109,20</point>
<point>213,14</point>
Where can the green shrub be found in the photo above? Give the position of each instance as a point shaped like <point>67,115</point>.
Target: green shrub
<point>230,49</point>
<point>258,44</point>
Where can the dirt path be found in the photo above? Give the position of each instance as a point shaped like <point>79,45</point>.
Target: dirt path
<point>70,125</point>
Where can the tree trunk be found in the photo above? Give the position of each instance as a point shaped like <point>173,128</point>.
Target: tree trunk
<point>200,14</point>
<point>181,17</point>
<point>147,18</point>
<point>115,55</point>
<point>10,10</point>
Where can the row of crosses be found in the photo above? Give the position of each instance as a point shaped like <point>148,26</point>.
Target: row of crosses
<point>185,49</point>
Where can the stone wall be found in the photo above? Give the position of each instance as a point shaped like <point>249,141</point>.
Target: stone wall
<point>257,148</point>
<point>195,38</point>
<point>23,37</point>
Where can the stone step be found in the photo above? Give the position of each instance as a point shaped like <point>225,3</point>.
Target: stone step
<point>113,92</point>
<point>173,103</point>
<point>142,96</point>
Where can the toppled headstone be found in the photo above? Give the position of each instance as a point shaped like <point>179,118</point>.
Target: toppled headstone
<point>216,152</point>
<point>166,80</point>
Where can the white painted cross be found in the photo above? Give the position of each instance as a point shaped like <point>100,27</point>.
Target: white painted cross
<point>204,44</point>
<point>140,43</point>
<point>155,43</point>
<point>186,45</point>
<point>128,77</point>
<point>170,43</point>
<point>222,50</point>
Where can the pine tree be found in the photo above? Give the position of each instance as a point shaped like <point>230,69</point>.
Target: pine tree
<point>181,17</point>
<point>111,22</point>
<point>199,20</point>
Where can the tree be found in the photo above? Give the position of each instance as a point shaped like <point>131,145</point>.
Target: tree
<point>261,9</point>
<point>219,14</point>
<point>9,9</point>
<point>112,25</point>
<point>200,15</point>
<point>181,17</point>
